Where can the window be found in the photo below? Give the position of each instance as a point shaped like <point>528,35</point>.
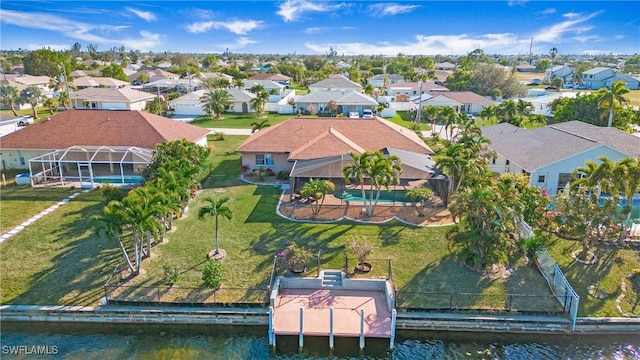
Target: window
<point>507,162</point>
<point>541,178</point>
<point>264,160</point>
<point>493,161</point>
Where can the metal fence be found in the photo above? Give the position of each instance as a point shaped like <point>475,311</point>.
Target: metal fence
<point>521,303</point>
<point>559,285</point>
<point>184,296</point>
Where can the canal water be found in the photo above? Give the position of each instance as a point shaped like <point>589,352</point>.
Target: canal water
<point>22,340</point>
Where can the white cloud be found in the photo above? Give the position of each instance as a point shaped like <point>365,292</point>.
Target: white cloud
<point>237,27</point>
<point>240,43</point>
<point>320,30</point>
<point>517,2</point>
<point>548,11</point>
<point>556,33</point>
<point>147,16</point>
<point>100,34</point>
<point>389,9</point>
<point>433,44</point>
<point>292,10</point>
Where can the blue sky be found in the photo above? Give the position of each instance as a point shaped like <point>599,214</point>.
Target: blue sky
<point>312,27</point>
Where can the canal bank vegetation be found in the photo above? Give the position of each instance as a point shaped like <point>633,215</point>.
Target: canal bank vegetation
<point>62,261</point>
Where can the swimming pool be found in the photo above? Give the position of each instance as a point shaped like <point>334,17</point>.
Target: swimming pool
<point>635,205</point>
<point>385,196</point>
<point>117,179</point>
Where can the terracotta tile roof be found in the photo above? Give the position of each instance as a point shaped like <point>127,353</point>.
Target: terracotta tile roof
<point>101,128</point>
<point>90,81</point>
<point>330,139</point>
<point>321,137</point>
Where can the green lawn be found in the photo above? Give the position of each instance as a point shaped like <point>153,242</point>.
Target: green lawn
<point>19,203</point>
<point>613,264</point>
<point>59,260</point>
<point>238,121</point>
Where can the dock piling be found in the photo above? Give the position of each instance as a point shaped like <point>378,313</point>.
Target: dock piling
<point>331,328</point>
<point>301,337</point>
<point>361,329</point>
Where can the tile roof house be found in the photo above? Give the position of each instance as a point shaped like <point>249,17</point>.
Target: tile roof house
<point>190,104</point>
<point>549,154</point>
<point>154,75</point>
<point>414,88</point>
<point>110,99</point>
<point>445,66</point>
<point>319,147</point>
<point>94,128</point>
<point>335,83</point>
<point>275,89</point>
<point>346,101</point>
<point>105,82</point>
<point>462,101</point>
<point>279,78</point>
<point>378,80</point>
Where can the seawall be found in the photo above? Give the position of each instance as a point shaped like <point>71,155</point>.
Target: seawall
<point>260,317</point>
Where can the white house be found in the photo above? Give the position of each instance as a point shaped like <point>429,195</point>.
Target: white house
<point>276,90</point>
<point>550,154</point>
<point>335,83</point>
<point>190,104</point>
<point>346,101</point>
<point>414,88</point>
<point>11,123</point>
<point>378,80</point>
<point>110,99</point>
<point>462,101</point>
<point>91,81</point>
<point>600,77</point>
<point>562,71</point>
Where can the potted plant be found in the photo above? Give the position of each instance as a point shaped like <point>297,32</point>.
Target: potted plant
<point>296,257</point>
<point>361,249</point>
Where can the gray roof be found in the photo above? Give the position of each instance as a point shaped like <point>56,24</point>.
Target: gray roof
<point>112,94</point>
<point>340,97</point>
<point>534,148</point>
<point>336,82</point>
<point>596,70</point>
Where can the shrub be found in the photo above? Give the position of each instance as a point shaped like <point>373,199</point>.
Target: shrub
<point>212,274</point>
<point>531,246</point>
<point>282,175</point>
<point>218,136</point>
<point>270,172</point>
<point>245,168</point>
<point>294,255</point>
<point>361,249</point>
<point>171,275</point>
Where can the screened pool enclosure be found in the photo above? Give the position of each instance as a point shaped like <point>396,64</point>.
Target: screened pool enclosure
<point>89,166</point>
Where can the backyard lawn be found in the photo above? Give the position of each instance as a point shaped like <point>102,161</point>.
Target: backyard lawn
<point>239,121</point>
<point>59,260</point>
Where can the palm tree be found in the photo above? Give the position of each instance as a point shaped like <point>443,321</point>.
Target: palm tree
<point>369,89</point>
<point>315,191</point>
<point>215,102</point>
<point>257,126</point>
<point>430,113</point>
<point>238,82</point>
<point>558,83</point>
<point>141,212</point>
<point>31,95</point>
<point>447,117</point>
<point>257,103</point>
<point>507,112</point>
<point>625,176</point>
<point>332,107</point>
<point>488,112</point>
<point>215,208</point>
<point>608,98</point>
<point>381,170</point>
<point>9,96</point>
<point>553,53</point>
<point>51,104</point>
<point>537,119</point>
<point>110,225</point>
<point>524,108</point>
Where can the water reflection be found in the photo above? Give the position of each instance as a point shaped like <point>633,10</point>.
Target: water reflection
<point>109,341</point>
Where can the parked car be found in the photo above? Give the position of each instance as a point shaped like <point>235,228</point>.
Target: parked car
<point>471,117</point>
<point>25,120</point>
<point>534,82</point>
<point>581,87</point>
<point>550,87</point>
<point>367,114</point>
<point>354,115</point>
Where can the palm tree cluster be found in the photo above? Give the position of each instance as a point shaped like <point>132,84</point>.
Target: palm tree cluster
<point>620,179</point>
<point>445,115</point>
<point>258,102</point>
<point>490,210</point>
<point>315,191</point>
<point>512,112</point>
<point>376,168</point>
<point>147,212</point>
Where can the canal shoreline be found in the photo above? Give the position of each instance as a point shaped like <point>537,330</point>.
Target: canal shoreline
<point>260,317</point>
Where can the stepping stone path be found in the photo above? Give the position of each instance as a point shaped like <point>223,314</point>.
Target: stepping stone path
<point>30,221</point>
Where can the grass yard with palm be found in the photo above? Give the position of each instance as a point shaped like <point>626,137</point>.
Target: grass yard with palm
<point>60,260</point>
